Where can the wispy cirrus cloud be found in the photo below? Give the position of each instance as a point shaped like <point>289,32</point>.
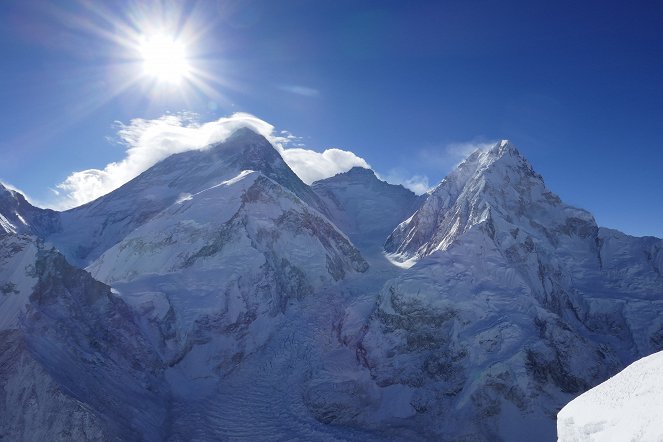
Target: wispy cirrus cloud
<point>447,156</point>
<point>436,160</point>
<point>150,141</point>
<point>419,184</point>
<point>301,90</point>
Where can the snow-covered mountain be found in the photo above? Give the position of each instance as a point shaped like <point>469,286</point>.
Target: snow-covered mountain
<point>244,306</point>
<point>515,303</point>
<point>17,215</point>
<point>89,230</point>
<point>208,255</point>
<point>219,267</point>
<point>625,407</point>
<point>227,262</point>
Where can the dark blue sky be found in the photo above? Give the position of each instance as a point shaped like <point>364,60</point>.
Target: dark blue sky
<point>576,85</point>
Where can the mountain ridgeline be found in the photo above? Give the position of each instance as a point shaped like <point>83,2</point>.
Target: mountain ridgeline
<point>218,297</point>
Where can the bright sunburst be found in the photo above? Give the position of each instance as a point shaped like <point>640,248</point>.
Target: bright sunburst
<point>164,58</point>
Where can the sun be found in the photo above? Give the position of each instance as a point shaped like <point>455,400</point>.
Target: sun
<point>164,58</point>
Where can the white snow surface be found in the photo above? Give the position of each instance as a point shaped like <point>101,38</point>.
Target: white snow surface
<point>626,407</point>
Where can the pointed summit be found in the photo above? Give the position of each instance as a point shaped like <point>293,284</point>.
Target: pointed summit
<point>246,134</point>
<point>361,171</point>
<point>494,187</point>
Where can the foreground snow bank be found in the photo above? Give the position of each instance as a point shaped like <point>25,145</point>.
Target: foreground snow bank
<point>627,406</point>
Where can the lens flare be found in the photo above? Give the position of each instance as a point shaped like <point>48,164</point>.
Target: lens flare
<point>164,58</point>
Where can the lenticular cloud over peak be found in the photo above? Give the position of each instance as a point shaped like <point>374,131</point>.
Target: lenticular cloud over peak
<point>150,141</point>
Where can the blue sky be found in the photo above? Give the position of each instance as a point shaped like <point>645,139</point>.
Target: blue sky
<point>405,85</point>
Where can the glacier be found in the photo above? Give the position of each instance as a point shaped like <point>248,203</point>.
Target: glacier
<point>218,297</point>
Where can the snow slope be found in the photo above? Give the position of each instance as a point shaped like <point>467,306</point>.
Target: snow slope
<point>229,226</point>
<point>625,407</point>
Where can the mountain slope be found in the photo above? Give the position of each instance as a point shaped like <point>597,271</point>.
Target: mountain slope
<point>227,261</point>
<point>210,257</point>
<point>496,184</point>
<point>197,231</point>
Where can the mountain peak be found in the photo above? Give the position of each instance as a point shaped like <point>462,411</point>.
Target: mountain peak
<point>506,148</point>
<point>498,183</point>
<point>17,215</point>
<point>8,192</point>
<point>246,134</point>
<point>114,215</point>
<point>501,149</point>
<point>358,170</point>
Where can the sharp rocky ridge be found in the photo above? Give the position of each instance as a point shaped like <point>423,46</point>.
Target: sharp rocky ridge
<point>246,304</point>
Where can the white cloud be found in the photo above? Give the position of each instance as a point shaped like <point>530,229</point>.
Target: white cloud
<point>149,141</point>
<point>313,166</point>
<point>419,184</point>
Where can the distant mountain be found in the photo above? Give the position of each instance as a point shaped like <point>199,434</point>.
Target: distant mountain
<point>246,305</point>
<point>17,215</point>
<point>365,207</point>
